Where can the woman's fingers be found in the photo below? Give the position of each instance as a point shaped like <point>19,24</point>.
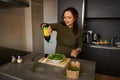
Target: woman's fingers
<point>50,30</point>
<point>43,25</point>
<point>74,53</point>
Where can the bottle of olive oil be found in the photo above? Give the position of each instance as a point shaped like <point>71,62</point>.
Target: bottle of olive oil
<point>46,34</point>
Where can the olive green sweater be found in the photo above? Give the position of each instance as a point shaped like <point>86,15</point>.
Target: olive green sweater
<point>66,39</point>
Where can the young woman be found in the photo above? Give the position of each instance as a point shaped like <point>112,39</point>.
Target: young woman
<point>69,35</point>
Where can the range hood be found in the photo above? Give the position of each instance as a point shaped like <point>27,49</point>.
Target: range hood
<point>13,3</point>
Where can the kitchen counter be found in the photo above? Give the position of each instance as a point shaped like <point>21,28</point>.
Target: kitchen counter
<point>103,46</point>
<point>6,53</point>
<point>23,71</point>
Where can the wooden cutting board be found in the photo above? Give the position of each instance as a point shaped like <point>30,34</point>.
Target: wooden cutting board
<point>61,64</point>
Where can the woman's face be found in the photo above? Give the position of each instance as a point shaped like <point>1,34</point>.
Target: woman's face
<point>69,18</point>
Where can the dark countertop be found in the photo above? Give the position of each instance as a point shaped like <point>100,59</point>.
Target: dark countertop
<point>103,46</point>
<point>6,53</point>
<point>23,70</point>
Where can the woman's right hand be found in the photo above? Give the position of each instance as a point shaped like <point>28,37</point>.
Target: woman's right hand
<point>74,53</point>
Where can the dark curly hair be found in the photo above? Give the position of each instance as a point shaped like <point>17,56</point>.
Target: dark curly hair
<point>75,14</point>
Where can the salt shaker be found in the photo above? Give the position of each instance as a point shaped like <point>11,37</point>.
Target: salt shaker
<point>13,59</point>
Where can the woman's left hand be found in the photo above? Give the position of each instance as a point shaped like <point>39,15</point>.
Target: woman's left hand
<point>50,30</point>
<point>74,53</point>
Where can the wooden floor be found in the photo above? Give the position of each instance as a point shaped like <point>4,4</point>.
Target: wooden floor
<point>105,77</point>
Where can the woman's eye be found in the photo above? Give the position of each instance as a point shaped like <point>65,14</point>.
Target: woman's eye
<point>67,17</point>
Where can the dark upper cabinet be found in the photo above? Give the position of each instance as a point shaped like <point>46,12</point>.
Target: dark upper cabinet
<point>103,8</point>
<point>103,17</point>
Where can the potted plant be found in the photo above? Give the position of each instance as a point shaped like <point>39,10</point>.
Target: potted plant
<point>73,69</point>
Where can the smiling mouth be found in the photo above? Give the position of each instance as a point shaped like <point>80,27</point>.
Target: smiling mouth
<point>67,22</point>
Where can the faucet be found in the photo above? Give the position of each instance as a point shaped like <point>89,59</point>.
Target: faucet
<point>113,39</point>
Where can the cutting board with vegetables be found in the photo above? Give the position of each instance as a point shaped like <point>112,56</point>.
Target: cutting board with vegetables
<point>61,64</point>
